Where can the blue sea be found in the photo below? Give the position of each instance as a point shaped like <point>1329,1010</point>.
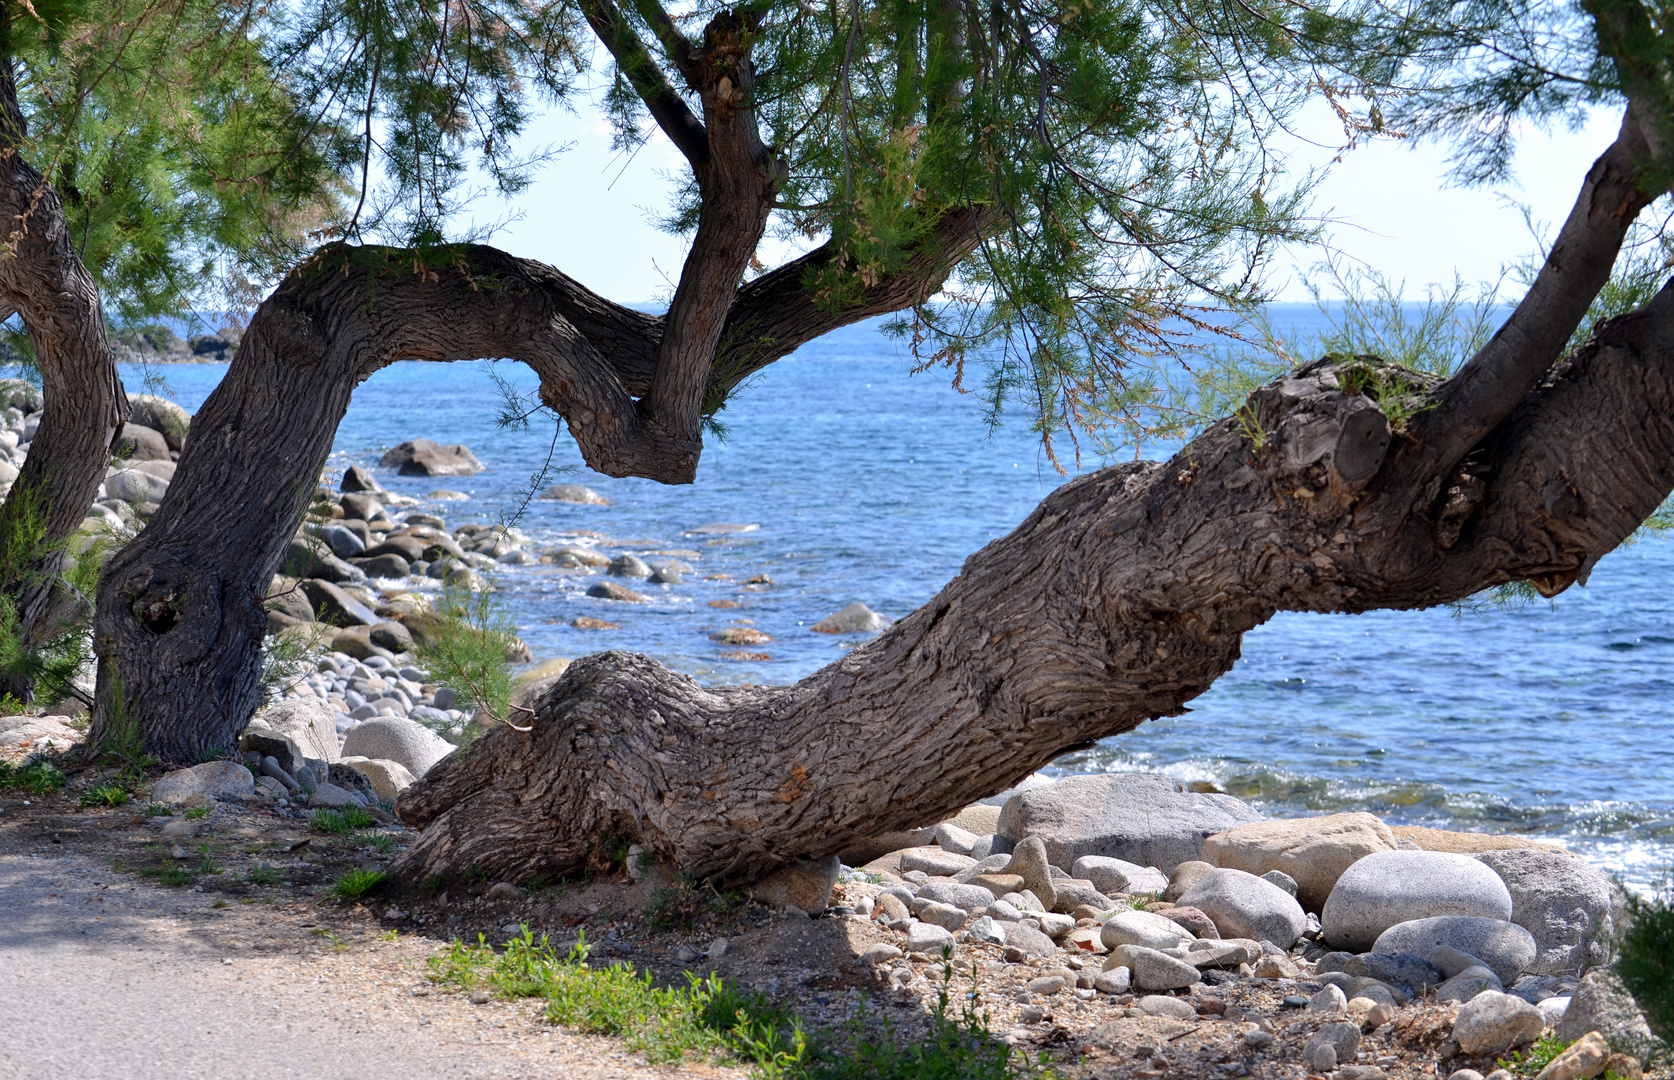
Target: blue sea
<point>869,483</point>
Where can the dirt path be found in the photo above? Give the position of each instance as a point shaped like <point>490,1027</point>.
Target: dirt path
<point>104,974</point>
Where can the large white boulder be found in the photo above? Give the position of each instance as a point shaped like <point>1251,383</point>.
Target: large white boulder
<point>395,738</point>
<point>1562,900</point>
<point>1390,887</point>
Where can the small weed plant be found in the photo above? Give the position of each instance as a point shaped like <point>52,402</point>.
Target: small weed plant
<point>106,795</point>
<point>32,778</point>
<point>710,1019</point>
<point>262,875</point>
<point>1529,1062</point>
<point>197,813</point>
<point>354,884</point>
<point>168,875</point>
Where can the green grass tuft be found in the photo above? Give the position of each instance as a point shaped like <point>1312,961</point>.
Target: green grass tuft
<point>262,875</point>
<point>168,875</point>
<point>356,883</point>
<point>710,1019</point>
<point>35,778</point>
<point>103,795</point>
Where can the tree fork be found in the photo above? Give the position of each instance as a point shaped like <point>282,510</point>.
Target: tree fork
<point>1122,597</point>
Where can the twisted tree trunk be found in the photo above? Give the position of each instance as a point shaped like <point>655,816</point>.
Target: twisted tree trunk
<point>43,280</point>
<point>1123,596</point>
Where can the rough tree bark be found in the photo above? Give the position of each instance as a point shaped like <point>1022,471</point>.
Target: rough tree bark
<point>43,280</point>
<point>1122,597</point>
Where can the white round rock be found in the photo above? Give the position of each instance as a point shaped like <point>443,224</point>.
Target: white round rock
<point>1390,887</point>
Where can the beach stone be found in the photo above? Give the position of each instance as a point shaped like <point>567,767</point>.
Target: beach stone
<point>1282,880</point>
<point>306,724</point>
<point>1029,862</point>
<point>1183,878</point>
<point>856,618</point>
<point>998,885</point>
<point>421,457</point>
<point>1552,1009</point>
<point>1464,1074</point>
<point>357,479</point>
<point>923,937</point>
<point>333,605</point>
<point>140,443</point>
<point>1563,901</point>
<point>1142,928</point>
<point>1625,1066</point>
<point>1601,1003</point>
<point>392,738</point>
<point>1072,893</point>
<point>1194,920</point>
<point>1402,969</point>
<point>1275,967</point>
<point>804,884</point>
<point>1244,906</point>
<point>934,861</point>
<point>1506,948</point>
<point>1113,981</point>
<point>1024,900</point>
<point>1581,1060</point>
<point>1331,1045</point>
<point>1029,941</point>
<point>1168,1008</point>
<point>360,506</point>
<point>1229,952</point>
<point>943,915</point>
<point>964,897</point>
<point>387,565</point>
<point>1142,818</point>
<point>1313,851</point>
<point>950,837</point>
<point>388,778</point>
<point>1492,1023</point>
<point>609,590</point>
<point>1109,875</point>
<point>130,485</point>
<point>575,556</point>
<point>988,931</point>
<point>1054,925</point>
<point>215,779</point>
<point>575,493</point>
<point>328,794</point>
<point>628,566</point>
<point>1330,1000</point>
<point>344,543</point>
<point>1468,983</point>
<point>1390,887</point>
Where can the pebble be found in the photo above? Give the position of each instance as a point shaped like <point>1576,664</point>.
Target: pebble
<point>1329,1000</point>
<point>928,938</point>
<point>1493,1023</point>
<point>1171,1007</point>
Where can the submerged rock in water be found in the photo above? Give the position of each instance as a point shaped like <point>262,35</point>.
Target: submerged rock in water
<point>421,457</point>
<point>575,493</point>
<point>857,618</point>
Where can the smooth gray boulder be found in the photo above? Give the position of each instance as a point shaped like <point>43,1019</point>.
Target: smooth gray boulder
<point>1245,906</point>
<point>1390,887</point>
<point>393,738</point>
<point>1601,1003</point>
<point>217,779</point>
<point>1142,818</point>
<point>1506,948</point>
<point>163,416</point>
<point>1143,928</point>
<point>1153,970</point>
<point>1563,901</point>
<point>1110,875</point>
<point>965,897</point>
<point>1030,941</point>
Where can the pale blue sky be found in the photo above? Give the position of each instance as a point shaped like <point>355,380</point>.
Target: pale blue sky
<point>1392,202</point>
